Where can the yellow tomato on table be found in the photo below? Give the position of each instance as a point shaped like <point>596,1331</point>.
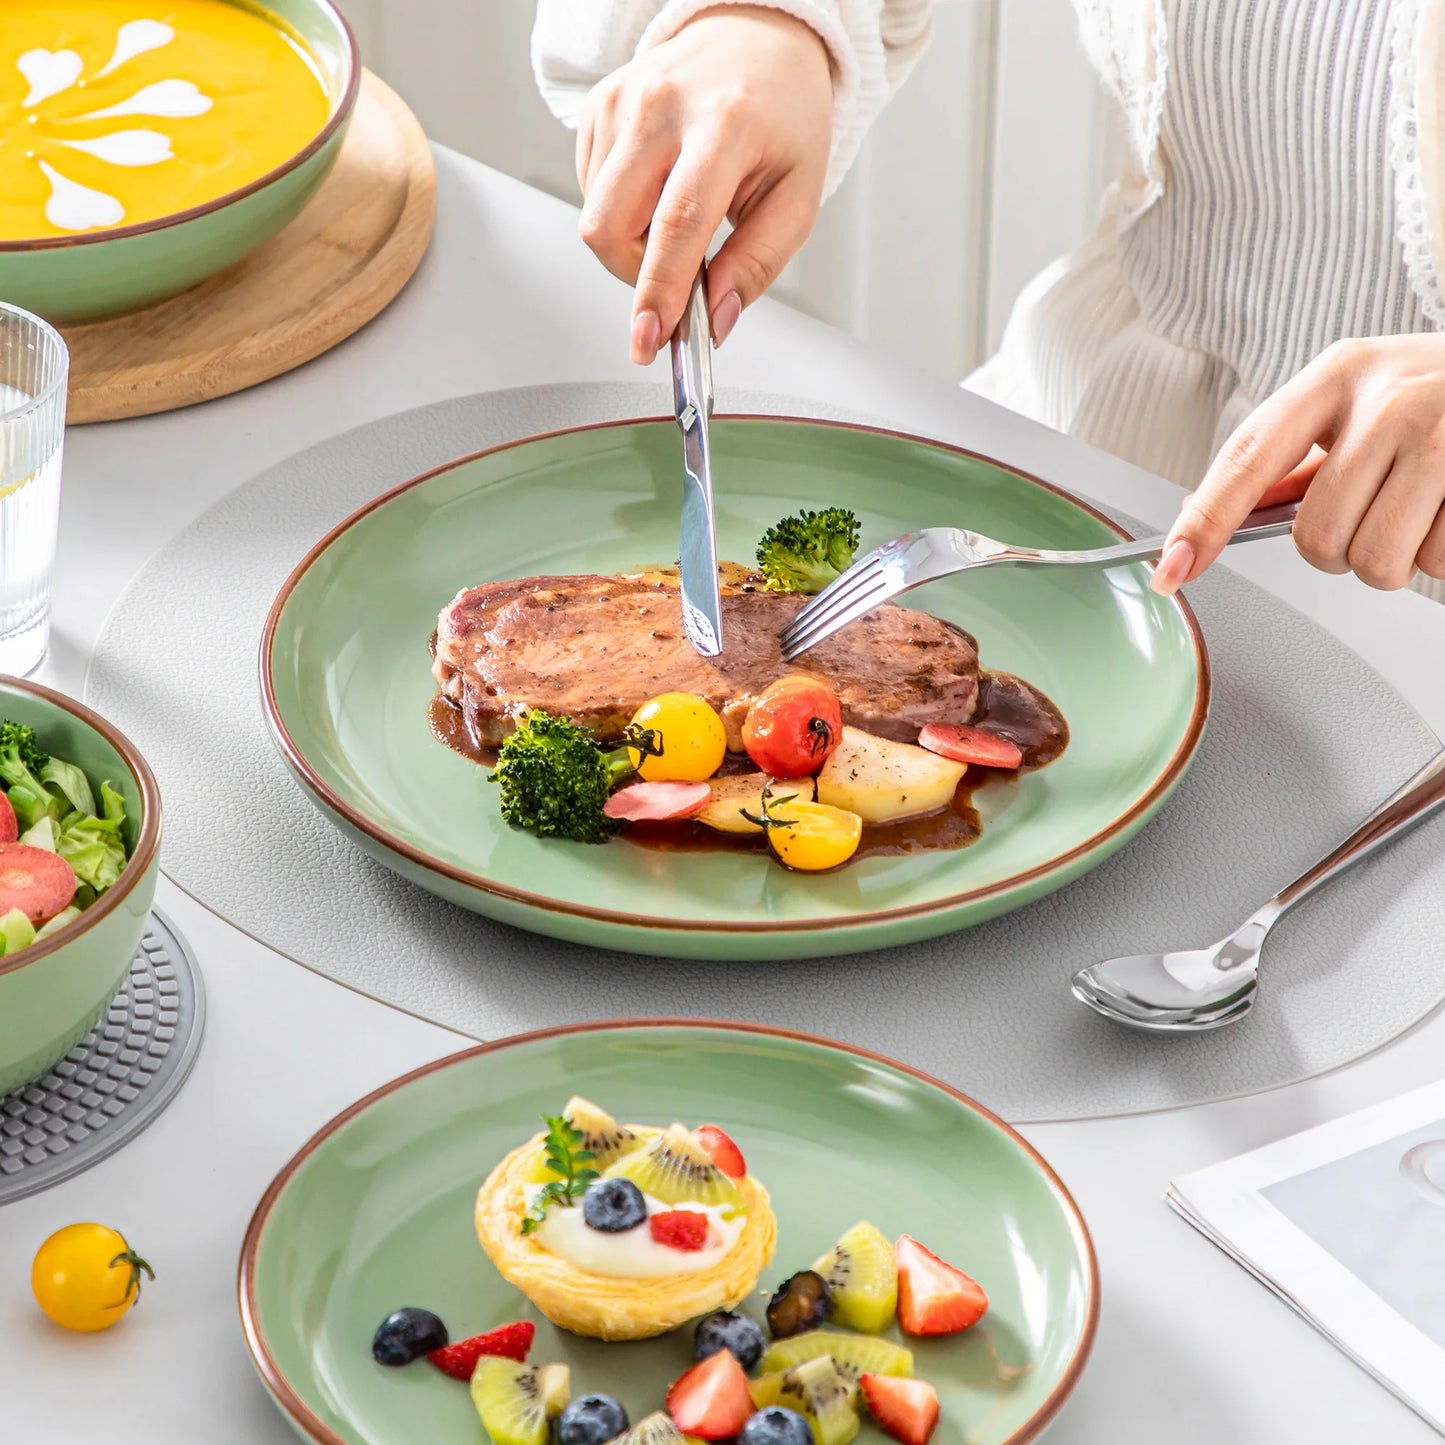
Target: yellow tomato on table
<point>690,733</point>
<point>86,1277</point>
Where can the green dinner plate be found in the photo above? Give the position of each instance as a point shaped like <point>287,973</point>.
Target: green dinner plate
<point>375,1213</point>
<point>346,680</point>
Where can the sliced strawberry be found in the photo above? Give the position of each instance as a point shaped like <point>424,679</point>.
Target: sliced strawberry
<point>711,1400</point>
<point>9,823</point>
<point>509,1341</point>
<point>657,802</point>
<point>970,745</point>
<point>683,1229</point>
<point>934,1298</point>
<point>37,882</point>
<point>721,1150</point>
<point>906,1409</point>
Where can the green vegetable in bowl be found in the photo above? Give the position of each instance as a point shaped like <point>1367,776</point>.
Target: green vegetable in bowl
<point>556,778</point>
<point>806,552</point>
<point>56,811</point>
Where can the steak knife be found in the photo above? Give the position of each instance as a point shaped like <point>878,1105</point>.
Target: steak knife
<point>692,403</point>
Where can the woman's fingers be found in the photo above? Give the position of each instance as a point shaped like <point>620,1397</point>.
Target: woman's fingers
<point>1396,530</point>
<point>1274,442</point>
<point>693,204</point>
<point>1342,494</point>
<point>764,240</point>
<point>622,198</point>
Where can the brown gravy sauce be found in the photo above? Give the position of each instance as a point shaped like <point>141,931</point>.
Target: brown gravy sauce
<point>1007,705</point>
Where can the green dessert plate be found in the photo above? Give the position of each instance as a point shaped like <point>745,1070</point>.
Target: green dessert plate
<point>346,680</point>
<point>375,1213</point>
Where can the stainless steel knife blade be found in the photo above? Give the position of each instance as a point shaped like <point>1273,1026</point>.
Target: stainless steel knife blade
<point>692,401</point>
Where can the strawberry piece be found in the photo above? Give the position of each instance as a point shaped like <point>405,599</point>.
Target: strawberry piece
<point>509,1341</point>
<point>934,1298</point>
<point>711,1401</point>
<point>721,1150</point>
<point>683,1229</point>
<point>906,1409</point>
<point>970,745</point>
<point>657,802</point>
<point>37,882</point>
<point>9,823</point>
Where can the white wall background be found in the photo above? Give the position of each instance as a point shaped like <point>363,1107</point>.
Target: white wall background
<point>989,163</point>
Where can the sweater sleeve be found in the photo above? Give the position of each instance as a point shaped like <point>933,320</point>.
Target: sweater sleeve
<point>873,45</point>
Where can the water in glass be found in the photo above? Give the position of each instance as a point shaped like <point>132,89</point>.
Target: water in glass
<point>33,367</point>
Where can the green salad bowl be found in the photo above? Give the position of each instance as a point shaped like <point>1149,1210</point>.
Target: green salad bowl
<point>54,992</point>
<point>69,279</point>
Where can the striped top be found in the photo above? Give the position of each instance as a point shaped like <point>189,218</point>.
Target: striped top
<point>1276,231</point>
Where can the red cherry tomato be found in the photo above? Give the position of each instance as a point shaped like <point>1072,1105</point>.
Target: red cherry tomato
<point>793,726</point>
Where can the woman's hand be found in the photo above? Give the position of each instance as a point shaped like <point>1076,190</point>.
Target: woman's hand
<point>730,117</point>
<point>1360,435</point>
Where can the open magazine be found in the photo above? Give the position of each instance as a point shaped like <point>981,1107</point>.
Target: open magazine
<point>1346,1222</point>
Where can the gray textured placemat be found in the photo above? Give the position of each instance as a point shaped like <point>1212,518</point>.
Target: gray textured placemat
<point>1304,740</point>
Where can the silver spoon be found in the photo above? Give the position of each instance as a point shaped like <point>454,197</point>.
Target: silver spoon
<point>1205,988</point>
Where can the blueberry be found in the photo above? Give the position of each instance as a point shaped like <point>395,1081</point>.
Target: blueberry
<point>591,1420</point>
<point>728,1330</point>
<point>613,1205</point>
<point>407,1335</point>
<point>776,1426</point>
<point>801,1303</point>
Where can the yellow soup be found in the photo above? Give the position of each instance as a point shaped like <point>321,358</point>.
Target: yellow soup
<point>117,112</point>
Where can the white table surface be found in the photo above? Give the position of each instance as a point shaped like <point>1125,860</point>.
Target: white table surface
<point>1189,1349</point>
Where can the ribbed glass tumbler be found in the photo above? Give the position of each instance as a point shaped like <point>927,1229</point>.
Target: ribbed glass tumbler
<point>34,365</point>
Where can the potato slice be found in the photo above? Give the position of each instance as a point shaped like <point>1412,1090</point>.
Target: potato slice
<point>883,781</point>
<point>731,795</point>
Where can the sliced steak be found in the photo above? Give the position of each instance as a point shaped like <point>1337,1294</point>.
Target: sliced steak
<point>596,648</point>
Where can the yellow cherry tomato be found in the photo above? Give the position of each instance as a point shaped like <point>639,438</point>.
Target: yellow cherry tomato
<point>693,739</point>
<point>86,1277</point>
<point>811,837</point>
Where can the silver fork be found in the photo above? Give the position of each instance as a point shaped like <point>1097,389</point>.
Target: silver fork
<point>918,557</point>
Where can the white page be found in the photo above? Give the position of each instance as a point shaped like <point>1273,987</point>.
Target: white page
<point>1346,1222</point>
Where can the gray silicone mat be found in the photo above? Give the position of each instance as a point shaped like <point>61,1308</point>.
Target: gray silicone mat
<point>116,1080</point>
<point>1281,776</point>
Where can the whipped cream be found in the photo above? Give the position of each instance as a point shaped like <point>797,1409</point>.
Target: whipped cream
<point>634,1253</point>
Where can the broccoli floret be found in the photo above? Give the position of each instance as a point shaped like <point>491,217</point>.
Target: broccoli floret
<point>22,739</point>
<point>556,778</point>
<point>20,761</point>
<point>806,552</point>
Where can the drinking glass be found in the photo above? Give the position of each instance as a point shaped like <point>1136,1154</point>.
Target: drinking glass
<point>34,365</point>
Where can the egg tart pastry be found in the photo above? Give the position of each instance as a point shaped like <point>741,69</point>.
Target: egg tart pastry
<point>622,1232</point>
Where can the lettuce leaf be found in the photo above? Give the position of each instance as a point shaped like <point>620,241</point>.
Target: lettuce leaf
<point>93,847</point>
<point>72,785</point>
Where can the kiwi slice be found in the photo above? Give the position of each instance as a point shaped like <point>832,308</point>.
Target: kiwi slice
<point>518,1403</point>
<point>826,1399</point>
<point>853,1355</point>
<point>654,1429</point>
<point>602,1136</point>
<point>676,1169</point>
<point>861,1273</point>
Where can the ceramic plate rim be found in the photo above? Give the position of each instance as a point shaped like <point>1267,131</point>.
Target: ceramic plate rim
<point>345,104</point>
<point>318,787</point>
<point>303,1418</point>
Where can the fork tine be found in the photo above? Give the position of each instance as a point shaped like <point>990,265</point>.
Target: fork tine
<point>824,625</point>
<point>861,574</point>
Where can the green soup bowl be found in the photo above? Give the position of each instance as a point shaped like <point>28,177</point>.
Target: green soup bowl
<point>69,279</point>
<point>54,992</point>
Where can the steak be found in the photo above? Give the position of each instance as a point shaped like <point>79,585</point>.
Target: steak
<point>595,648</point>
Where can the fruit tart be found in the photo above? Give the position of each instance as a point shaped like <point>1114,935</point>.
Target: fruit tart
<point>621,1231</point>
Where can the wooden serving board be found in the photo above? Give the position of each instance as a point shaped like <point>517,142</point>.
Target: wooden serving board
<point>334,268</point>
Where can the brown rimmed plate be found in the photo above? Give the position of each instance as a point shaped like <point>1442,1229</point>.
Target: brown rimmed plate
<point>345,678</point>
<point>375,1212</point>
